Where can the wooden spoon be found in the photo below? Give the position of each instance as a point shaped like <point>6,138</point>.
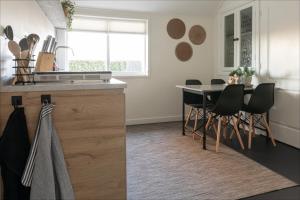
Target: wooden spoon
<point>25,55</point>
<point>25,63</point>
<point>16,51</point>
<point>14,80</point>
<point>14,48</point>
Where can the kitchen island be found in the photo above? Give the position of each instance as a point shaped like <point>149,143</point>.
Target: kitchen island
<point>90,120</point>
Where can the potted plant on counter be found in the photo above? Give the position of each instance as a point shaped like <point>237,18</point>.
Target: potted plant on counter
<point>235,76</point>
<point>69,9</point>
<point>241,75</point>
<point>248,74</point>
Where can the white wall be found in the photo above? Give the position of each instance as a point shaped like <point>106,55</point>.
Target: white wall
<point>155,98</point>
<point>278,50</point>
<point>280,54</point>
<point>25,17</point>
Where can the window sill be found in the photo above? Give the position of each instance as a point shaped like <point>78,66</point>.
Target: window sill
<point>130,76</point>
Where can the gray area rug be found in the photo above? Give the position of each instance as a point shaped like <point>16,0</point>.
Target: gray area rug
<point>163,165</point>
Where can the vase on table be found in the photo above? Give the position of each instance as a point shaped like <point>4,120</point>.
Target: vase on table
<point>248,80</point>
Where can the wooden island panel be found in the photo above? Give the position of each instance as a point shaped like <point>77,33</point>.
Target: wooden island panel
<point>91,128</point>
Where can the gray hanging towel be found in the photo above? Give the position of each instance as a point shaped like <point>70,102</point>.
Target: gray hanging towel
<point>45,169</point>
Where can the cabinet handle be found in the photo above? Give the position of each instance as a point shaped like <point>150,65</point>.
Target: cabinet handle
<point>236,39</point>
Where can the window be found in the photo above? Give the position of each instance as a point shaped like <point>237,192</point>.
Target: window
<point>118,45</point>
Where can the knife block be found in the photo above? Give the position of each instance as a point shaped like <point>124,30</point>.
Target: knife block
<point>44,62</point>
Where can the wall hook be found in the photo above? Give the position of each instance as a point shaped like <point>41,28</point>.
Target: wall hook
<point>45,98</point>
<point>16,101</point>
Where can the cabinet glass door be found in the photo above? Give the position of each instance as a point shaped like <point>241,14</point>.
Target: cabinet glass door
<point>229,41</point>
<point>246,37</point>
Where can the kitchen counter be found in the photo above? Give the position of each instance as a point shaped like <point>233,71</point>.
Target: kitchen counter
<point>59,86</point>
<point>89,117</point>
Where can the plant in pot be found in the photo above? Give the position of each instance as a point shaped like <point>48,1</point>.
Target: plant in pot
<point>248,74</point>
<point>235,76</point>
<point>69,9</point>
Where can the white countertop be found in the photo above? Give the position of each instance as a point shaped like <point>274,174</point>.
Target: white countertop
<point>57,86</point>
<point>209,88</point>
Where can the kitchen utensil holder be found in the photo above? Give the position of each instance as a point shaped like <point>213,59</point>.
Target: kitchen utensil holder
<point>24,74</point>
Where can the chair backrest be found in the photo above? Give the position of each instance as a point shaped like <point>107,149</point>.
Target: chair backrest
<point>190,98</point>
<point>214,96</point>
<point>193,82</point>
<point>217,81</point>
<point>262,98</point>
<point>230,101</point>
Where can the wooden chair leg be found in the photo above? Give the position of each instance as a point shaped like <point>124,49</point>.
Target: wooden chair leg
<point>224,127</point>
<point>250,132</point>
<point>218,135</point>
<point>237,122</point>
<point>269,130</point>
<point>253,130</point>
<point>188,117</point>
<point>195,123</point>
<point>235,126</point>
<point>208,122</point>
<point>243,124</point>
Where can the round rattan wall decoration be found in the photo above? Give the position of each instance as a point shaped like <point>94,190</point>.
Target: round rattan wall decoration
<point>197,34</point>
<point>176,28</point>
<point>184,51</point>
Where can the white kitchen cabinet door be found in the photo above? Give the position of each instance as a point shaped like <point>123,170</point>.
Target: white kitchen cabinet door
<point>238,38</point>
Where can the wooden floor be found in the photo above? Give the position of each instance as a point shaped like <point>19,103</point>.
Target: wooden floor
<point>283,159</point>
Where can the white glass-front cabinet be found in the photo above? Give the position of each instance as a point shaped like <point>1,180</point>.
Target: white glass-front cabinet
<point>238,38</point>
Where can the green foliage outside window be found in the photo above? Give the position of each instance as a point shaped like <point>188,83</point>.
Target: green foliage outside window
<point>118,66</point>
<point>86,65</point>
<point>115,66</point>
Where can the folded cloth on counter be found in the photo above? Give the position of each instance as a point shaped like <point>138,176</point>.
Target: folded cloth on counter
<point>46,170</point>
<point>14,150</point>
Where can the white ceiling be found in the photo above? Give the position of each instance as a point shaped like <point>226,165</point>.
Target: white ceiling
<point>195,7</point>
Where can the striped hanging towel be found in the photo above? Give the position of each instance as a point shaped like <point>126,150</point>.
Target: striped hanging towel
<point>45,169</point>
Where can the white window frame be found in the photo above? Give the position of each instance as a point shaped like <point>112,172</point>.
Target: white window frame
<point>145,72</point>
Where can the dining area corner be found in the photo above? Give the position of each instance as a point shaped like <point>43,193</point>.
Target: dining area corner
<point>220,105</point>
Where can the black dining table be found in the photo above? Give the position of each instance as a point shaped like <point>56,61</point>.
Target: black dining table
<point>204,91</point>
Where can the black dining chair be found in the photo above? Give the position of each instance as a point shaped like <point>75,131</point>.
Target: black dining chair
<point>228,104</point>
<point>215,95</point>
<point>259,104</point>
<point>194,101</point>
<point>217,81</point>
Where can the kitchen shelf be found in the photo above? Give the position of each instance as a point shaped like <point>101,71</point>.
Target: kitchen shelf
<point>54,11</point>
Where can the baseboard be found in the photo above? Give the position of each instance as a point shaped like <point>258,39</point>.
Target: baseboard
<point>284,134</point>
<point>153,120</point>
